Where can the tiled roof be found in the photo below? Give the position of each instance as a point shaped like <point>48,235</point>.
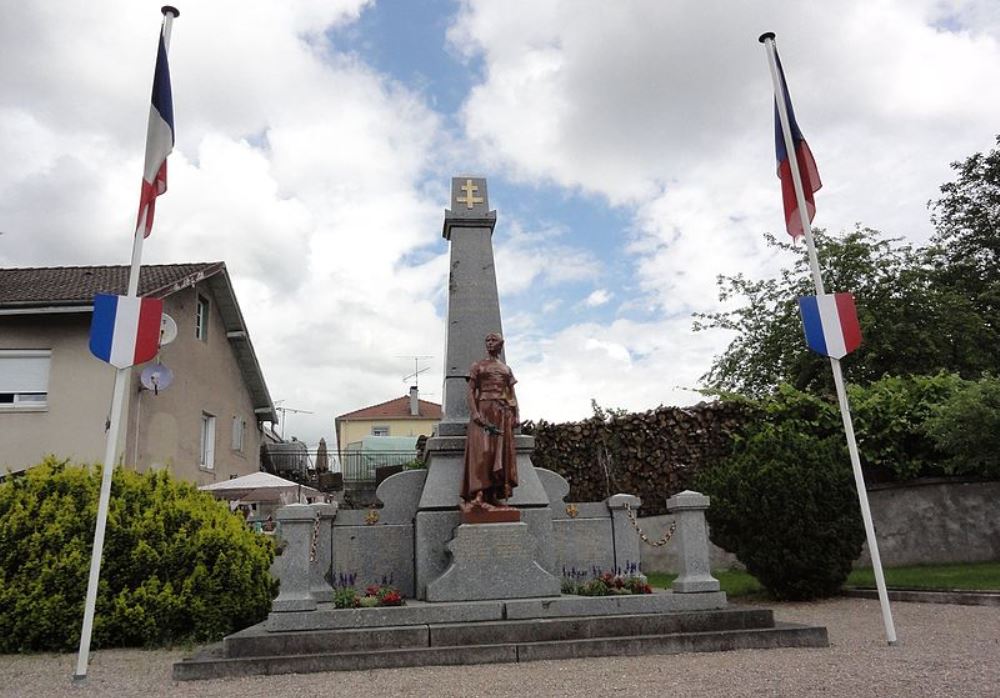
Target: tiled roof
<point>77,285</point>
<point>395,409</point>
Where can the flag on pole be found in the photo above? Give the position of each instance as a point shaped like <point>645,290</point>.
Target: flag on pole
<point>159,142</point>
<point>125,330</point>
<point>807,165</point>
<point>831,324</point>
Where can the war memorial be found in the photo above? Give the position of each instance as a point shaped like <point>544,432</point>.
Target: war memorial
<point>479,541</point>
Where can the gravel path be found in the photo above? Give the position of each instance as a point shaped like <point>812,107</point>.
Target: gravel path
<point>945,650</point>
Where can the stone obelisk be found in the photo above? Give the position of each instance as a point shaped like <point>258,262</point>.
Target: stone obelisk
<point>473,312</point>
<point>473,301</point>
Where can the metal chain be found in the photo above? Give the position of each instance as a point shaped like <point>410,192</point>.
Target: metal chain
<point>315,538</point>
<point>642,535</point>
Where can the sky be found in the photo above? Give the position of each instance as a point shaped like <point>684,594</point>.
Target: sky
<point>628,148</point>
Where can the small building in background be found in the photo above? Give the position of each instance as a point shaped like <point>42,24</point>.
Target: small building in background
<point>382,439</point>
<point>407,416</point>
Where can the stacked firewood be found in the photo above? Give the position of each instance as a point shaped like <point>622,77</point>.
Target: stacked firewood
<point>652,454</point>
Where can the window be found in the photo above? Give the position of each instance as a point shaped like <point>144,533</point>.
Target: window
<point>207,441</point>
<point>239,433</point>
<point>380,431</point>
<point>201,319</point>
<point>24,378</point>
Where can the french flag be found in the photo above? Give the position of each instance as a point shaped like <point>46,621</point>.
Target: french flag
<point>807,165</point>
<point>159,142</point>
<point>831,324</point>
<point>125,330</point>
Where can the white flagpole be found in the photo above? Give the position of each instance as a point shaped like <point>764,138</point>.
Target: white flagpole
<point>838,376</point>
<point>114,430</point>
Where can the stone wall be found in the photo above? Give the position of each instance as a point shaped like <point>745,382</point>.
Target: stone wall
<point>651,454</point>
<point>922,522</point>
<point>936,521</point>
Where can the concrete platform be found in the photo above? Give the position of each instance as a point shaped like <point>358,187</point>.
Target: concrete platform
<point>485,633</point>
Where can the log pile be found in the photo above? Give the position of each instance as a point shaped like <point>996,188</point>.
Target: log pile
<point>652,454</point>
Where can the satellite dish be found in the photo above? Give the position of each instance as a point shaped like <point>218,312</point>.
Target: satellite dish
<point>168,330</point>
<point>156,378</point>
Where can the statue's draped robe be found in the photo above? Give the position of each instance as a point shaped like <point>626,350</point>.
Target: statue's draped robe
<point>490,458</point>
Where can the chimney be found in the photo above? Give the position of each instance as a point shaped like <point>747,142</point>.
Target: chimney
<point>414,402</point>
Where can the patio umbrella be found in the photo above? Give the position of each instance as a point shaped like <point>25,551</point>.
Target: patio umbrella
<point>261,487</point>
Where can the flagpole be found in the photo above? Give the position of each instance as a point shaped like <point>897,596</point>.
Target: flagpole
<point>114,430</point>
<point>838,377</point>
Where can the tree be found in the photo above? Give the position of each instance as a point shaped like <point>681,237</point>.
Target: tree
<point>966,246</point>
<point>912,322</point>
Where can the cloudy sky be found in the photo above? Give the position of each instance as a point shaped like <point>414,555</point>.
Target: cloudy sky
<point>628,147</point>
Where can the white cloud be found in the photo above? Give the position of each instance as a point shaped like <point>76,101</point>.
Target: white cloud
<point>598,298</point>
<point>318,180</point>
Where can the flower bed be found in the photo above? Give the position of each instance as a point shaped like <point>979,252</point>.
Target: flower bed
<point>607,584</point>
<point>375,595</point>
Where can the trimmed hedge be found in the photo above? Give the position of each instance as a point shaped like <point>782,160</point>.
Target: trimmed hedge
<point>785,504</point>
<point>178,566</point>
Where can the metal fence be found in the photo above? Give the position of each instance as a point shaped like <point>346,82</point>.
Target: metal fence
<point>360,465</point>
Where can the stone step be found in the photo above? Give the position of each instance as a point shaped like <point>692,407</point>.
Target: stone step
<point>212,663</point>
<point>257,641</point>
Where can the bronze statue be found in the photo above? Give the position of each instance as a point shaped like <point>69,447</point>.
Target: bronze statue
<point>490,457</point>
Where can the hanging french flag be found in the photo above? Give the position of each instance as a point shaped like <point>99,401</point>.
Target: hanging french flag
<point>159,142</point>
<point>807,165</point>
<point>125,330</point>
<point>831,324</point>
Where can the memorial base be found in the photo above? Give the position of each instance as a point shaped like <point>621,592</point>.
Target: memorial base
<point>492,561</point>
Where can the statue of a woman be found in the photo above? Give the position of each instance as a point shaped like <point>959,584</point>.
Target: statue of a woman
<point>490,458</point>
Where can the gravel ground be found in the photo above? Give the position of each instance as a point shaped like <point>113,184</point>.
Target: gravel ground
<point>945,650</point>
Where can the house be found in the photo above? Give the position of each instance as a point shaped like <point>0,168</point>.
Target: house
<point>404,416</point>
<point>55,396</point>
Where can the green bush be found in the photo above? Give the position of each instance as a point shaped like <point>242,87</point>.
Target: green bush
<point>966,429</point>
<point>177,565</point>
<point>890,419</point>
<point>784,503</point>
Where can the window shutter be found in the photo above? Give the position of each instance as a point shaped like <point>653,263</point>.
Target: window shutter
<point>24,371</point>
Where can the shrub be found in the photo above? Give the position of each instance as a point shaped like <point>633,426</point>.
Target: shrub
<point>785,504</point>
<point>966,428</point>
<point>890,418</point>
<point>177,565</point>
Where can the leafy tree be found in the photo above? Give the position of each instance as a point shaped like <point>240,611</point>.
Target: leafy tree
<point>966,428</point>
<point>966,247</point>
<point>911,322</point>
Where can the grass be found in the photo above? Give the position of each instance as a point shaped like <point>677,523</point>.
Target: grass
<point>983,576</point>
<point>735,583</point>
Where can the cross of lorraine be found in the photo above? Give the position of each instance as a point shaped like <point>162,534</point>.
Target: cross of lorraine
<point>470,190</point>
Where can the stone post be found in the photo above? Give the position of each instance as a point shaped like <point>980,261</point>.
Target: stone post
<point>626,540</point>
<point>320,588</point>
<point>692,543</point>
<point>296,526</point>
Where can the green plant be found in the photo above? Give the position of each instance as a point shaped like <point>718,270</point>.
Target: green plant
<point>345,597</point>
<point>966,428</point>
<point>784,503</point>
<point>177,566</point>
<point>890,418</point>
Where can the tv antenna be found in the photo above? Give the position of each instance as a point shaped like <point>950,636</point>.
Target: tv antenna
<point>280,408</point>
<point>416,369</point>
